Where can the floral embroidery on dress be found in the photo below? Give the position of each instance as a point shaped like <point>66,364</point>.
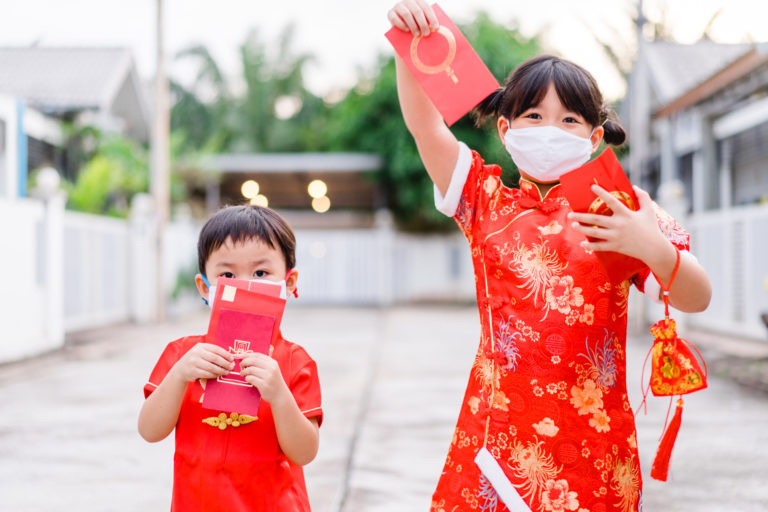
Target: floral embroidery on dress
<point>535,267</point>
<point>506,345</point>
<point>602,364</point>
<point>557,498</point>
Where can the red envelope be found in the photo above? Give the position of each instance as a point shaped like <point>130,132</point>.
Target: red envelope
<point>245,319</point>
<point>446,67</point>
<point>606,171</point>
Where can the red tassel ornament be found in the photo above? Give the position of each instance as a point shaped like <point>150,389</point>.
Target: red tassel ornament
<point>675,370</point>
<point>660,466</point>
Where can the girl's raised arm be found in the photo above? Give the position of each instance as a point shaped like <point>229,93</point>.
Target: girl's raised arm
<point>437,146</point>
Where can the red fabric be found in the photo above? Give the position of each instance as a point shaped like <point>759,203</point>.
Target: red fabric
<point>549,377</point>
<point>238,468</point>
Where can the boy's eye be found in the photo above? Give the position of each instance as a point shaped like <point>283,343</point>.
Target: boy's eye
<point>570,120</point>
<point>260,273</point>
<point>533,115</point>
<point>227,274</point>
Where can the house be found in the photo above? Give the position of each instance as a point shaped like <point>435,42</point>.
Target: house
<point>96,87</point>
<point>699,124</point>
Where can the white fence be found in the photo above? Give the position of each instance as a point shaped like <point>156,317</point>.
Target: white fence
<point>69,271</point>
<point>732,245</point>
<point>96,271</point>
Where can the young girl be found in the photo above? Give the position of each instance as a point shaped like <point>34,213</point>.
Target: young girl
<point>231,461</point>
<point>547,393</point>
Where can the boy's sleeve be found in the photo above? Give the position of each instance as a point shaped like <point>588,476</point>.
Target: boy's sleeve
<point>473,185</point>
<point>679,237</point>
<point>171,354</point>
<point>305,386</point>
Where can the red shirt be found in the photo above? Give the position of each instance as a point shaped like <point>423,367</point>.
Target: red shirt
<point>547,393</point>
<point>237,468</point>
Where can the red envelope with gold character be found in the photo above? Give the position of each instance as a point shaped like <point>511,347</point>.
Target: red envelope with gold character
<point>605,171</point>
<point>447,68</point>
<point>245,318</point>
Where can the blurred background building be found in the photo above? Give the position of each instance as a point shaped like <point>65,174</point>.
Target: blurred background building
<point>81,229</point>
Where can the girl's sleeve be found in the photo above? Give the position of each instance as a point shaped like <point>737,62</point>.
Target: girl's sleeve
<point>305,386</point>
<point>679,237</point>
<point>472,186</point>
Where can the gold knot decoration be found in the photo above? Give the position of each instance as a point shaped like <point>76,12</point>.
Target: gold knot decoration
<point>222,421</point>
<point>443,66</point>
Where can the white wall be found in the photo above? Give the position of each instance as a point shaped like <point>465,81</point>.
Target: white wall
<point>22,293</point>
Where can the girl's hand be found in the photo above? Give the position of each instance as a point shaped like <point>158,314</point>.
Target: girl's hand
<point>263,372</point>
<point>414,16</point>
<point>634,233</point>
<point>204,361</point>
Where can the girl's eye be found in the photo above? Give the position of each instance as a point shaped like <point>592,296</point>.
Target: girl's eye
<point>227,274</point>
<point>260,273</point>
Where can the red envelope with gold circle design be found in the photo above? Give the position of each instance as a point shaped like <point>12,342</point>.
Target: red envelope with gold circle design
<point>447,68</point>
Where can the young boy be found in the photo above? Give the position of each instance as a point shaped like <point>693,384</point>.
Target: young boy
<point>233,462</point>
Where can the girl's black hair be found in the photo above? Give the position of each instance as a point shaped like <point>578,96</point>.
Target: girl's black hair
<point>527,85</point>
<point>241,223</point>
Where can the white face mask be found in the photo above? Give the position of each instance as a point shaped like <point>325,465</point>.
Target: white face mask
<point>546,152</point>
<point>281,284</point>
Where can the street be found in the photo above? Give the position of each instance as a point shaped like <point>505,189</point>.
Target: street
<point>392,381</point>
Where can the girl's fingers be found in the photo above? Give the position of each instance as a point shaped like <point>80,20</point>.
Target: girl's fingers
<point>591,219</point>
<point>643,198</point>
<point>611,202</point>
<point>419,15</point>
<point>406,17</point>
<point>396,20</point>
<point>591,231</point>
<point>598,246</point>
<point>430,15</point>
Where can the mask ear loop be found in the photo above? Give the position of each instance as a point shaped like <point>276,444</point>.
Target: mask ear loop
<point>205,280</point>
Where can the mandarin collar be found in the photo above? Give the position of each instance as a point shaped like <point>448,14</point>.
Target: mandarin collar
<point>531,189</point>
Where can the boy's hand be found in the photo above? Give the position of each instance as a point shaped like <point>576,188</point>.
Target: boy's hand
<point>414,16</point>
<point>263,372</point>
<point>204,361</point>
<point>634,233</point>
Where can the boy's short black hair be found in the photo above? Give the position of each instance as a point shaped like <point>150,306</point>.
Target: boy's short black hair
<point>246,222</point>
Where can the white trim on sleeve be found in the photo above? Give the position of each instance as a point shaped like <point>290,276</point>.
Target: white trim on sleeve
<point>651,286</point>
<point>448,204</point>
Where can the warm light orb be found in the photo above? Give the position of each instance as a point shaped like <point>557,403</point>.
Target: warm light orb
<point>260,200</point>
<point>317,189</point>
<point>321,204</point>
<point>249,189</point>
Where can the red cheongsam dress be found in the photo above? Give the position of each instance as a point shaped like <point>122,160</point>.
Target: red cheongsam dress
<point>547,392</point>
<point>228,461</point>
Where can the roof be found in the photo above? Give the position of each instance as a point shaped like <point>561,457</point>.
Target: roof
<point>57,81</point>
<point>676,68</point>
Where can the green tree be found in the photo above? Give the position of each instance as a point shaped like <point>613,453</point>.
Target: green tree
<point>369,119</point>
<point>275,112</point>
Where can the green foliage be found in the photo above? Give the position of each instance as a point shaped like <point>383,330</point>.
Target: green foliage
<point>115,172</point>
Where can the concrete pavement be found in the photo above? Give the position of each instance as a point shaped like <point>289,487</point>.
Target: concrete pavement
<point>392,383</point>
